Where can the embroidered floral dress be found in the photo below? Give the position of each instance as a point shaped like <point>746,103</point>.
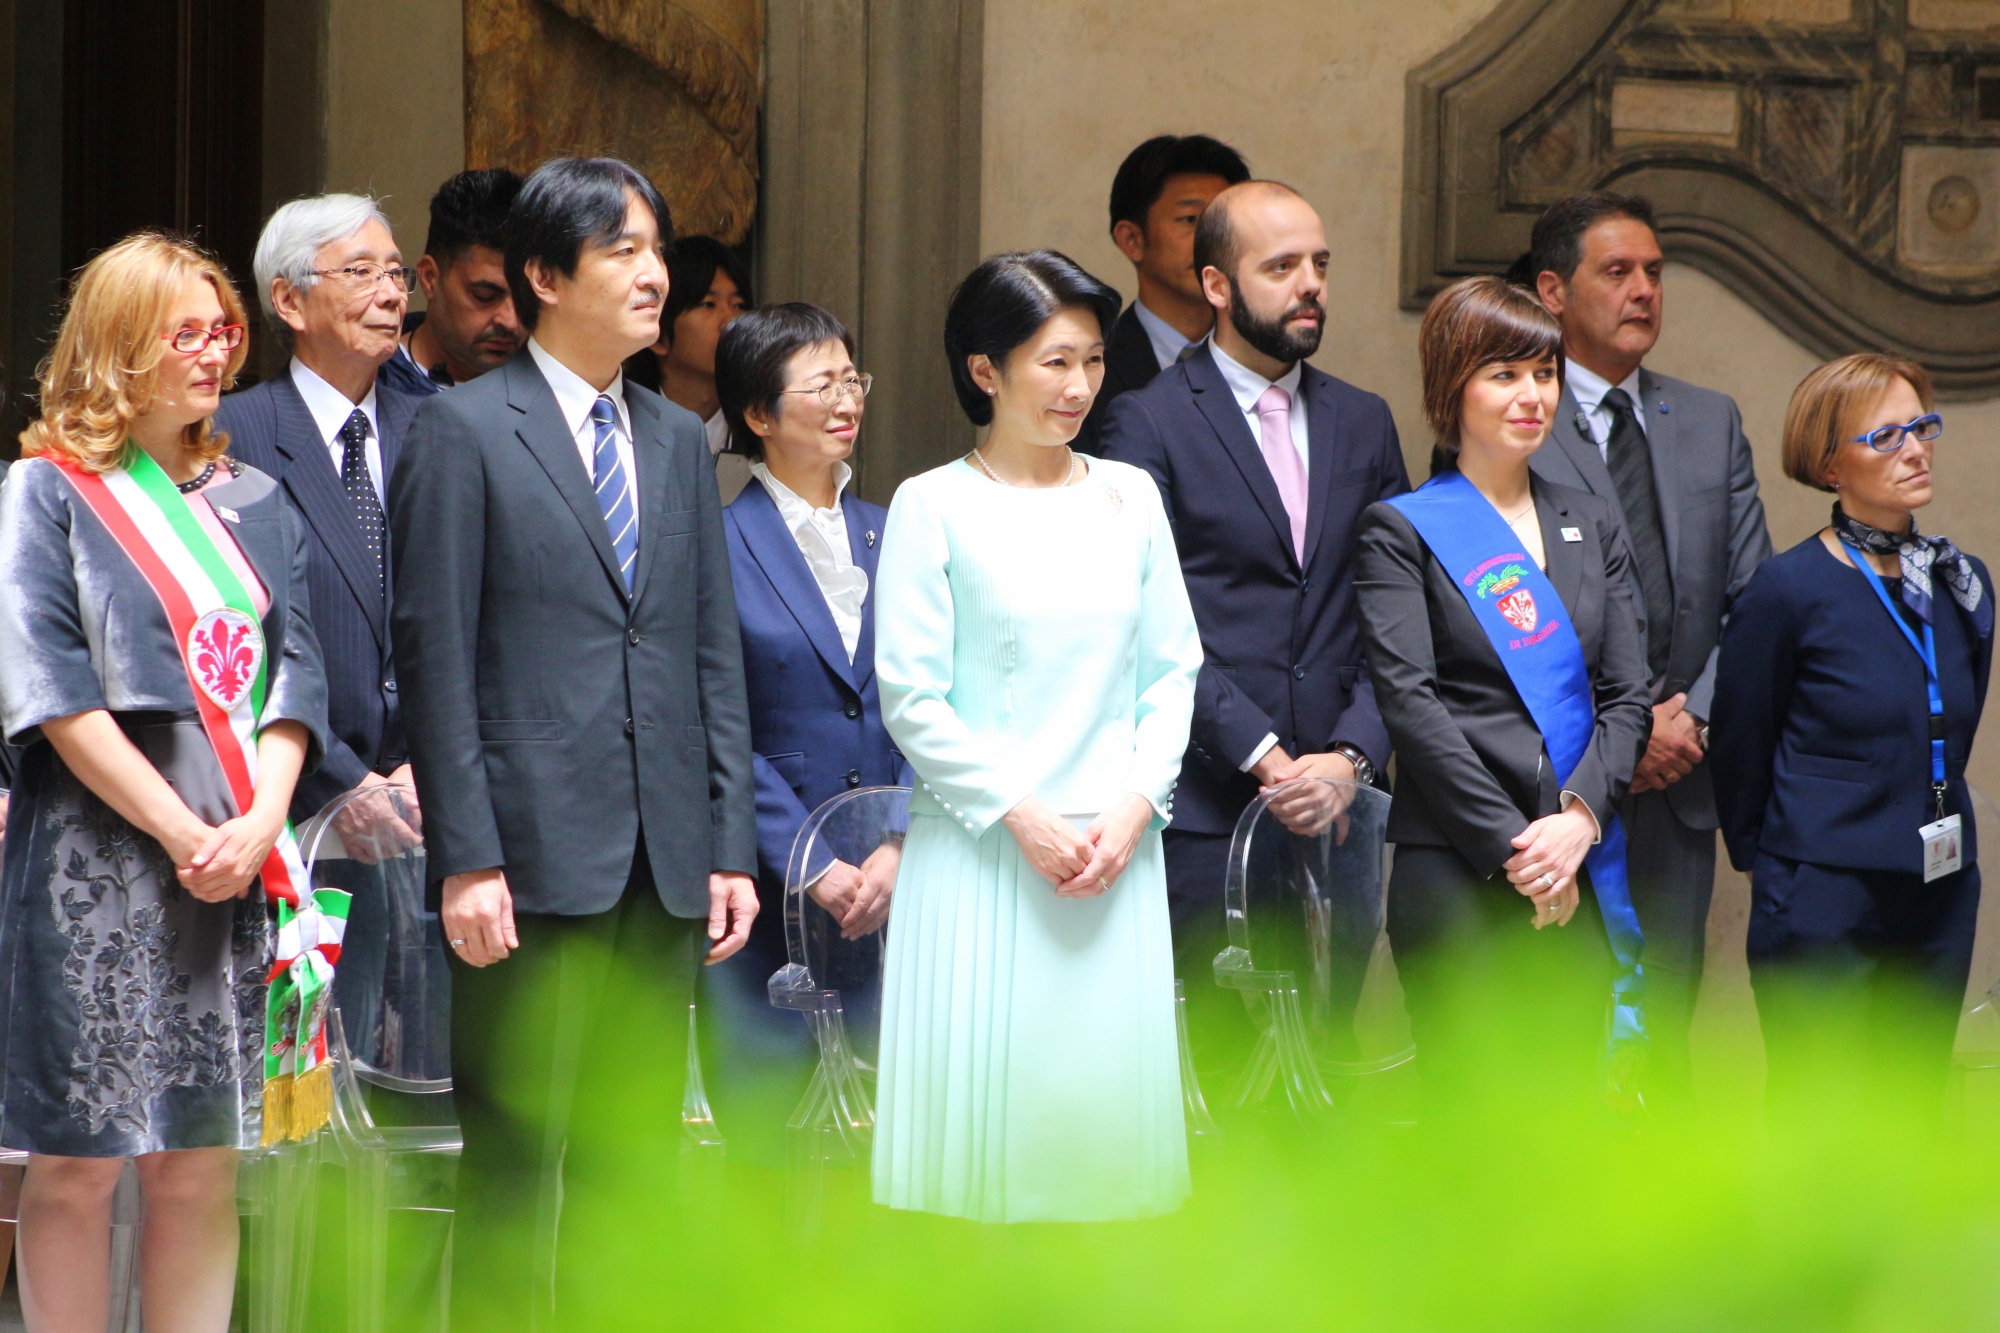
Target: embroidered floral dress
<point>131,1013</point>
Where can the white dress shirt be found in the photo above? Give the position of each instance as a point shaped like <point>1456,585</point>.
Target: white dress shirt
<point>717,427</point>
<point>1248,386</point>
<point>1168,341</point>
<point>574,399</point>
<point>821,535</point>
<point>330,410</point>
<point>1588,388</point>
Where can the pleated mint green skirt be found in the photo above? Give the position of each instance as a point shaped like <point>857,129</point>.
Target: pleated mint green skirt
<point>1029,1065</point>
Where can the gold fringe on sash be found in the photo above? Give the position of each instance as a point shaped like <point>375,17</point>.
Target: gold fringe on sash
<point>277,1109</point>
<point>295,1107</point>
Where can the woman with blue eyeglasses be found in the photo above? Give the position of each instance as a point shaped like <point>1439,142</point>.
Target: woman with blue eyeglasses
<point>1852,676</point>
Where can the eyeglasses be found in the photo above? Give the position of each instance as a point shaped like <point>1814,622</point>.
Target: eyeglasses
<point>358,276</point>
<point>194,341</point>
<point>831,394</point>
<point>1888,439</point>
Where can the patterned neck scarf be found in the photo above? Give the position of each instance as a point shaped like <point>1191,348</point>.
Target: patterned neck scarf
<point>1921,557</point>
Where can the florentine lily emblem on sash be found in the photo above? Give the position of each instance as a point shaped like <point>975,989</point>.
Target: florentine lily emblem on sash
<point>226,649</point>
<point>1519,608</point>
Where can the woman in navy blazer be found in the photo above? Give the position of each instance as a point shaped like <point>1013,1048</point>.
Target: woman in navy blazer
<point>1822,747</point>
<point>802,550</point>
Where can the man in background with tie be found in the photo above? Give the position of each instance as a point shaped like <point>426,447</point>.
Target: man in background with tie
<point>1265,465</point>
<point>1156,198</point>
<point>329,431</point>
<point>566,636</point>
<point>1675,459</point>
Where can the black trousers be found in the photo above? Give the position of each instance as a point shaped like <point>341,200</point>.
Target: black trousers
<point>568,1063</point>
<point>1671,868</point>
<point>1505,1016</point>
<point>1859,977</point>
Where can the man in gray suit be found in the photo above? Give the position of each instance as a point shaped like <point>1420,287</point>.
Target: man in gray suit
<point>1675,459</point>
<point>565,633</point>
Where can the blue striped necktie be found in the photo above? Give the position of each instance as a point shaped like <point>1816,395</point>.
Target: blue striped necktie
<point>614,488</point>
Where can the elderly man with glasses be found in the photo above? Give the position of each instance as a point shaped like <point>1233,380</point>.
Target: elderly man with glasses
<point>334,289</point>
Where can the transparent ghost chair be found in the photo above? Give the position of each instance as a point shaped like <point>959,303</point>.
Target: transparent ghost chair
<point>1304,900</point>
<point>835,984</point>
<point>383,1190</point>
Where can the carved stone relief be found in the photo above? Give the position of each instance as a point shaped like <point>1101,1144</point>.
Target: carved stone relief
<point>671,86</point>
<point>1835,161</point>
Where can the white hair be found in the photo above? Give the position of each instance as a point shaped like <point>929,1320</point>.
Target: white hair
<point>289,246</point>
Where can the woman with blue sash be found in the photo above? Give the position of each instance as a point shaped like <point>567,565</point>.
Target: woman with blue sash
<point>1852,677</point>
<point>1504,643</point>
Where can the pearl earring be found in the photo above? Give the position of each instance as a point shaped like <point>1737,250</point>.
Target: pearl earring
<point>991,392</point>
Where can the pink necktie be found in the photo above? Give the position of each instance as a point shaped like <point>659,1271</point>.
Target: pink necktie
<point>1274,411</point>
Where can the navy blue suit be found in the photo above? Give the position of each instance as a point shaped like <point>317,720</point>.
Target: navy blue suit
<point>271,429</point>
<point>815,731</point>
<point>1283,643</point>
<point>1821,756</point>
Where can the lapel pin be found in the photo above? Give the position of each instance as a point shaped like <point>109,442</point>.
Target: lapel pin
<point>869,537</point>
<point>1664,409</point>
<point>1572,534</point>
<point>1582,424</point>
<point>229,514</point>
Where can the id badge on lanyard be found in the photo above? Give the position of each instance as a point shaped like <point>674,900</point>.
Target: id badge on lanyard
<point>1943,837</point>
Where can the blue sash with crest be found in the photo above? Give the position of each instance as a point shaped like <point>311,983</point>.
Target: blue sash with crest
<point>1529,628</point>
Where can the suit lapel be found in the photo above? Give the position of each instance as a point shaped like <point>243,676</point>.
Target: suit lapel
<point>1565,557</point>
<point>1579,449</point>
<point>1321,425</point>
<point>651,458</point>
<point>1661,435</point>
<point>393,409</point>
<point>543,431</point>
<point>1218,405</point>
<point>313,485</point>
<point>771,545</point>
<point>864,544</point>
<point>1128,352</point>
<point>259,534</point>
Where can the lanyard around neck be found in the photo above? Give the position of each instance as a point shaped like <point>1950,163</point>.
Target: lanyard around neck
<point>1926,649</point>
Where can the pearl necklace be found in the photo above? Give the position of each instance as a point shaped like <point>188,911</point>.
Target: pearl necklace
<point>1068,477</point>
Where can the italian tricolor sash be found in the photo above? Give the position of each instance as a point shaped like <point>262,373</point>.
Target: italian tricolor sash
<point>215,624</point>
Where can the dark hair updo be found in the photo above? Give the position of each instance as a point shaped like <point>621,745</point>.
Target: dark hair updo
<point>754,355</point>
<point>1002,303</point>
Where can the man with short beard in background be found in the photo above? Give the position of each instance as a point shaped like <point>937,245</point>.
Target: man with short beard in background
<point>1265,465</point>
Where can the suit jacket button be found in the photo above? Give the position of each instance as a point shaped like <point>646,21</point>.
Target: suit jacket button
<point>629,728</point>
<point>389,685</point>
<point>632,636</point>
<point>1298,673</point>
<point>854,777</point>
<point>854,710</point>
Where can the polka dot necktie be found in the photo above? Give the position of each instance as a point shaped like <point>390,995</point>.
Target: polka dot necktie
<point>360,486</point>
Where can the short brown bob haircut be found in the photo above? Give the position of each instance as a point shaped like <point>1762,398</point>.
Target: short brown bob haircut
<point>104,369</point>
<point>1831,402</point>
<point>1472,324</point>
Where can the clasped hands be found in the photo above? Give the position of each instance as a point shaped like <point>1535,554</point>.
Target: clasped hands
<point>858,896</point>
<point>1672,750</point>
<point>1307,808</point>
<point>1553,846</point>
<point>1079,864</point>
<point>217,864</point>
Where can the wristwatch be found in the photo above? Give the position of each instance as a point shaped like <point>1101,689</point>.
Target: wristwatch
<point>1701,738</point>
<point>1364,767</point>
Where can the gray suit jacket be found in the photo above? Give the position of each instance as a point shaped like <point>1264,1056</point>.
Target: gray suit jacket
<point>1714,528</point>
<point>553,719</point>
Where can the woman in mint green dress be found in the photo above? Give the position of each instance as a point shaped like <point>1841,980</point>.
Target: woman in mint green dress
<point>1036,655</point>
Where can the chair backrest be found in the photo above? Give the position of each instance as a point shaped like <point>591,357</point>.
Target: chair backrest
<point>821,965</point>
<point>1304,907</point>
<point>392,985</point>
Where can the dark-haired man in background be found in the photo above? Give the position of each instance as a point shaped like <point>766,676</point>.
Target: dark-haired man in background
<point>708,286</point>
<point>1156,197</point>
<point>1265,465</point>
<point>468,325</point>
<point>566,636</point>
<point>1675,459</point>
